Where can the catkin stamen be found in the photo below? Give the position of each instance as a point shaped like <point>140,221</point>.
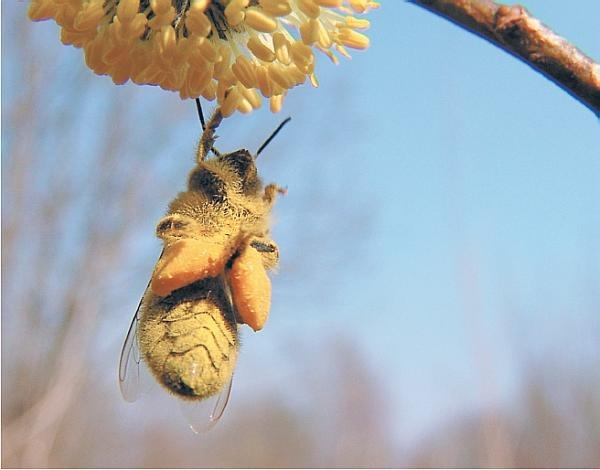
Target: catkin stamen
<point>210,47</point>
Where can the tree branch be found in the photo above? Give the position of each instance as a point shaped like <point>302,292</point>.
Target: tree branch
<point>513,29</point>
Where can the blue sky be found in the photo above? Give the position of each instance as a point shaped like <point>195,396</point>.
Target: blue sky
<point>483,230</point>
<point>442,214</point>
<point>481,183</point>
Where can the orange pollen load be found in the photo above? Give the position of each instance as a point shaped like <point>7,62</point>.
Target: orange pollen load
<point>250,288</point>
<point>187,261</point>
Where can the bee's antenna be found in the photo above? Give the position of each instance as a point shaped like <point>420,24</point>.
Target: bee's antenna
<point>200,114</point>
<point>272,136</point>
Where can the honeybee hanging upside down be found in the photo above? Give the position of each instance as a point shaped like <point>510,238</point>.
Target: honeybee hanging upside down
<point>210,277</point>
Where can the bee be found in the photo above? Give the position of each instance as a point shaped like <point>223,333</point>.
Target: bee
<point>211,276</point>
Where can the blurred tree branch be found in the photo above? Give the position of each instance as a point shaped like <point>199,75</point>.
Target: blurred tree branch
<point>513,29</point>
<point>72,210</point>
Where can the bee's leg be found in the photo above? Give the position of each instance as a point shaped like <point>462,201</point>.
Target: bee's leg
<point>268,250</point>
<point>172,225</point>
<point>208,136</point>
<point>271,190</point>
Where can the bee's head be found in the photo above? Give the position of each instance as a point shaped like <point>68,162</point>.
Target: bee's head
<point>243,166</point>
<point>237,168</point>
<point>205,180</point>
<point>211,177</point>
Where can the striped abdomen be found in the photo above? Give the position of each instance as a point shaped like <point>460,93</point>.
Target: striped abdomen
<point>189,338</point>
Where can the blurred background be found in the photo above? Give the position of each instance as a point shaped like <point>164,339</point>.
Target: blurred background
<point>438,298</point>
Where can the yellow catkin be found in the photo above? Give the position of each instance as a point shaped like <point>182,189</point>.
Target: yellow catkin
<point>89,17</point>
<point>244,71</point>
<point>302,56</point>
<point>198,23</point>
<point>41,10</point>
<point>210,91</point>
<point>357,23</point>
<point>141,59</point>
<point>196,60</point>
<point>244,106</point>
<point>308,32</point>
<point>361,6</point>
<point>113,53</point>
<point>160,7</point>
<point>329,3</point>
<point>236,18</point>
<point>275,103</point>
<point>167,40</point>
<point>276,7</point>
<point>234,12</point>
<point>279,75</point>
<point>296,75</point>
<point>76,38</point>
<point>282,48</point>
<point>353,39</point>
<point>342,50</point>
<point>260,21</point>
<point>222,67</point>
<point>120,72</point>
<point>185,41</point>
<point>265,84</point>
<point>309,8</point>
<point>65,16</point>
<point>199,5</point>
<point>231,101</point>
<point>260,50</point>
<point>251,96</point>
<point>137,27</point>
<point>207,50</point>
<point>323,38</point>
<point>163,19</point>
<point>127,10</point>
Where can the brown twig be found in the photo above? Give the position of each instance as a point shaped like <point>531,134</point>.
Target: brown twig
<point>513,29</point>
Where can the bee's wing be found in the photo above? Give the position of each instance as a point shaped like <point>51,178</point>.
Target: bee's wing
<point>221,403</point>
<point>129,363</point>
<point>131,369</point>
<point>203,415</point>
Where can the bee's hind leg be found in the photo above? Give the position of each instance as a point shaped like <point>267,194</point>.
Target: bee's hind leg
<point>268,250</point>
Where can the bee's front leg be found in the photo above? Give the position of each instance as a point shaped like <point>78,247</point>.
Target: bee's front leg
<point>271,190</point>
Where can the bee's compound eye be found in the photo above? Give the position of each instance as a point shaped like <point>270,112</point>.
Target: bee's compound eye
<point>204,180</point>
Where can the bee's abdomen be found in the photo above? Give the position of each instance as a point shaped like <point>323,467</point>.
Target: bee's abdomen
<point>189,340</point>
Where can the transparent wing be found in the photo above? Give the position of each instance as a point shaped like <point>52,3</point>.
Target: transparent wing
<point>129,363</point>
<point>203,415</point>
<point>134,378</point>
<point>133,375</point>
